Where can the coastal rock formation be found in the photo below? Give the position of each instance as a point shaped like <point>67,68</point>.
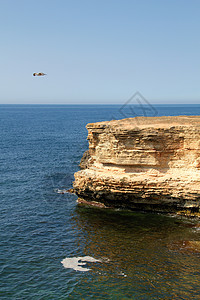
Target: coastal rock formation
<point>143,163</point>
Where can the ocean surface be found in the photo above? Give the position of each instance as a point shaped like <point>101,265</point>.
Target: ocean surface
<point>51,248</point>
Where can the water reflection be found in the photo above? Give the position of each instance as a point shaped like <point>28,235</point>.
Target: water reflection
<point>141,262</point>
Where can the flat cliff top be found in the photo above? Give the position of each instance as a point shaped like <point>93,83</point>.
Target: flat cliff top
<point>154,122</point>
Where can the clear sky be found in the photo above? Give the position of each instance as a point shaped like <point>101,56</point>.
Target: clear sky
<point>99,51</point>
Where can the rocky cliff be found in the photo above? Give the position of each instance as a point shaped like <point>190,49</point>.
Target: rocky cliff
<point>143,163</point>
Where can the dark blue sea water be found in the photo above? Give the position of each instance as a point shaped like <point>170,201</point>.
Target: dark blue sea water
<point>143,256</point>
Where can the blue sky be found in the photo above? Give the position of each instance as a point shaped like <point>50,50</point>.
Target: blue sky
<point>99,51</point>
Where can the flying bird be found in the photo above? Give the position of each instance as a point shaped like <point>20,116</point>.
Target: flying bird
<point>39,74</point>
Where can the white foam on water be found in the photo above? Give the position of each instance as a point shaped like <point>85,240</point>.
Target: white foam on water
<point>77,263</point>
<point>122,274</point>
<point>59,191</point>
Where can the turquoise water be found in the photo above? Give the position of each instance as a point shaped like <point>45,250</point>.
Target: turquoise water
<point>142,256</point>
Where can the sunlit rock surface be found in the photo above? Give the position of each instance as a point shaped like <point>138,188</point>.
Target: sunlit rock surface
<point>143,163</point>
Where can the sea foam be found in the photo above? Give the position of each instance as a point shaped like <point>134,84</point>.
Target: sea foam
<point>77,263</point>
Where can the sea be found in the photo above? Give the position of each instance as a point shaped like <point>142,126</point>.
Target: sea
<point>52,248</point>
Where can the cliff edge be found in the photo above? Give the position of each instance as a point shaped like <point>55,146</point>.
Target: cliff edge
<point>143,163</point>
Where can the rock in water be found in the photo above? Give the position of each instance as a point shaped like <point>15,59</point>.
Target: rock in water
<point>143,163</point>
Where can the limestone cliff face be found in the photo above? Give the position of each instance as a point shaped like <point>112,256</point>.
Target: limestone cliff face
<point>145,163</point>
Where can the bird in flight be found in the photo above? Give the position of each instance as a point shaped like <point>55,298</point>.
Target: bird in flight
<point>39,74</point>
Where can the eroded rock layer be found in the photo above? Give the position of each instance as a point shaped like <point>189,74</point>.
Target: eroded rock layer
<point>143,163</point>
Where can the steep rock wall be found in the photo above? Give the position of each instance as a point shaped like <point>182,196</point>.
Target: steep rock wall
<point>143,163</point>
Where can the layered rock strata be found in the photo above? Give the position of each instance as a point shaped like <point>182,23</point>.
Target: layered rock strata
<point>143,163</point>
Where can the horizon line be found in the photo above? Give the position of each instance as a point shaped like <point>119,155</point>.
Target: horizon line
<point>53,104</point>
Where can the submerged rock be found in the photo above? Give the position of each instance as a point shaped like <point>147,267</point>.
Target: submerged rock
<point>185,246</point>
<point>143,163</point>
